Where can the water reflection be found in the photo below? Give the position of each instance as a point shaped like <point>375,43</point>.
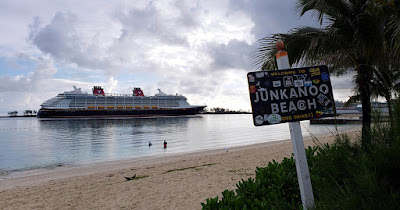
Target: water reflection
<point>29,142</point>
<point>98,139</point>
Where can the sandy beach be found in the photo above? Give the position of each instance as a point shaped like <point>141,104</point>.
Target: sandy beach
<point>173,182</point>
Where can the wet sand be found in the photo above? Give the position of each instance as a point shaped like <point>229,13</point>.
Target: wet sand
<point>173,182</point>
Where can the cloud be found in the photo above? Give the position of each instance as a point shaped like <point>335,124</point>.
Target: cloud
<point>154,23</point>
<point>59,38</point>
<point>235,54</point>
<point>343,82</point>
<point>165,35</point>
<point>44,70</point>
<point>62,40</point>
<point>273,16</point>
<point>24,92</point>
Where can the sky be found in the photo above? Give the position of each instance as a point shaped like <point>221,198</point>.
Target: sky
<point>200,49</point>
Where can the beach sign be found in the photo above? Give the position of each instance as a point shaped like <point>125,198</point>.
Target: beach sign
<point>290,95</point>
<point>299,105</point>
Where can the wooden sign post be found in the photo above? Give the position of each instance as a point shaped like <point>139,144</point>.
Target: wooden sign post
<point>303,173</point>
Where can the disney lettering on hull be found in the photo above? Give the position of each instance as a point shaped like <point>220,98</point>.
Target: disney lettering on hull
<point>290,95</point>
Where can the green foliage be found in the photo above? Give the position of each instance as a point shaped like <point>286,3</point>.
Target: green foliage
<point>274,186</point>
<point>348,176</point>
<point>344,175</point>
<point>219,110</point>
<point>13,113</point>
<point>142,177</point>
<point>28,112</point>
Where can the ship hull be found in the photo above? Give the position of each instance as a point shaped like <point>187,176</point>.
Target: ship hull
<point>62,113</point>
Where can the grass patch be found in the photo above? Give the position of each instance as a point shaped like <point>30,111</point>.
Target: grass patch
<point>192,167</point>
<point>141,177</point>
<point>241,171</point>
<point>248,174</point>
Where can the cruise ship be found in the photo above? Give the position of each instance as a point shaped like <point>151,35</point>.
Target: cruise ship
<point>99,104</point>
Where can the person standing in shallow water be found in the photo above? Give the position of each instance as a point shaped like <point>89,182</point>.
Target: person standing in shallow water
<point>165,144</point>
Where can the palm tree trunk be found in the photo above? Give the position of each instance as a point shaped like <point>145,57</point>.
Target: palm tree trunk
<point>388,99</point>
<point>364,76</point>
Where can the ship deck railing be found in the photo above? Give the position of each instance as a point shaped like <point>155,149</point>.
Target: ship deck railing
<point>173,97</point>
<point>131,95</point>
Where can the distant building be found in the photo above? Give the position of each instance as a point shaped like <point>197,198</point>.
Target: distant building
<point>341,109</point>
<point>376,106</point>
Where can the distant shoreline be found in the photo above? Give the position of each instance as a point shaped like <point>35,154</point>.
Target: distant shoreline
<point>18,116</point>
<point>226,113</point>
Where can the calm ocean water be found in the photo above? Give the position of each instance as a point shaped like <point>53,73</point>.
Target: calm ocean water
<point>30,143</point>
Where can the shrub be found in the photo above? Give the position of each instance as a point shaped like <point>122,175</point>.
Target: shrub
<point>344,175</point>
<point>274,186</point>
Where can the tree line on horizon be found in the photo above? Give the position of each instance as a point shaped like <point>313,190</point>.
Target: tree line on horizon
<point>219,110</point>
<point>359,36</point>
<point>27,112</point>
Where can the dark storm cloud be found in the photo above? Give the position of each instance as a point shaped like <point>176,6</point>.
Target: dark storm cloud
<point>273,16</point>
